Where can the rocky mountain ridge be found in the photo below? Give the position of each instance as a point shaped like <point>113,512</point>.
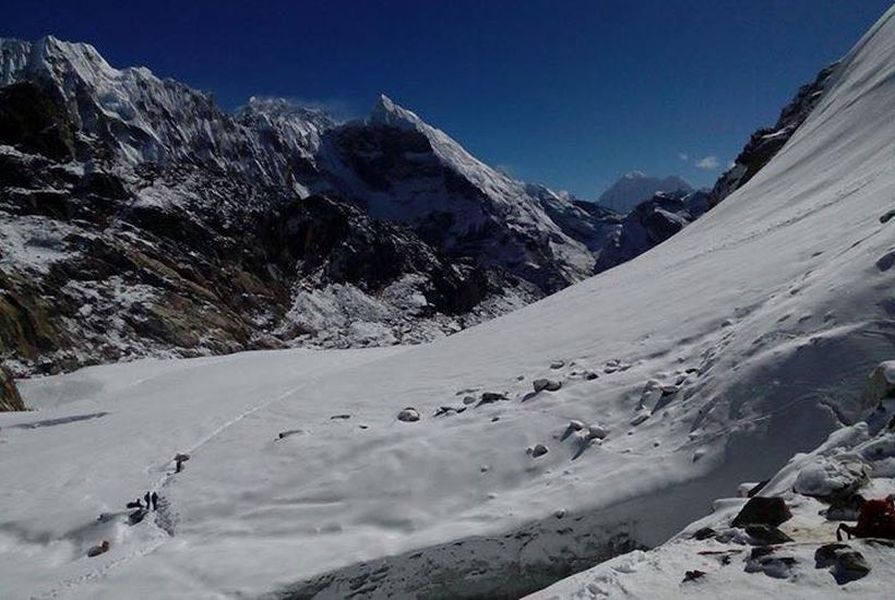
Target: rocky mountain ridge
<point>140,219</point>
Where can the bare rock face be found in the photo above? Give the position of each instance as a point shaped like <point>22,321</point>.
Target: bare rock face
<point>766,142</point>
<point>763,511</point>
<point>9,395</point>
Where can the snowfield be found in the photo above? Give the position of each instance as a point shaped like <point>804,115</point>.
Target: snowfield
<point>746,338</point>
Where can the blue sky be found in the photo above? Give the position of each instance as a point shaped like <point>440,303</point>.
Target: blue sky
<point>567,93</point>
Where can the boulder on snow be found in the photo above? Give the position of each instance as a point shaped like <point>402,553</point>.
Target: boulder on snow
<point>763,535</point>
<point>845,563</point>
<point>9,395</point>
<point>539,450</point>
<point>693,575</point>
<point>550,385</point>
<point>833,480</point>
<point>763,511</point>
<point>704,533</point>
<point>137,516</point>
<point>409,415</point>
<point>98,549</point>
<point>574,425</point>
<point>557,364</point>
<point>764,560</point>
<point>491,397</point>
<point>640,417</point>
<point>449,410</point>
<point>597,432</point>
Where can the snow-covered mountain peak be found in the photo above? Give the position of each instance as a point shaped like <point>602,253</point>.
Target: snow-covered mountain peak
<point>386,112</point>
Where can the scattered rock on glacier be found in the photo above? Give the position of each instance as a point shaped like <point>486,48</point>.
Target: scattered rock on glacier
<point>885,262</point>
<point>763,535</point>
<point>409,415</point>
<point>491,397</point>
<point>597,432</point>
<point>449,410</point>
<point>539,450</point>
<point>693,575</point>
<point>573,426</point>
<point>557,364</point>
<point>640,417</point>
<point>284,434</point>
<point>704,533</point>
<point>763,511</point>
<point>550,385</point>
<point>763,559</point>
<point>845,563</point>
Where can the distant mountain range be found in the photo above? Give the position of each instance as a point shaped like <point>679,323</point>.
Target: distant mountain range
<point>137,218</point>
<point>635,187</point>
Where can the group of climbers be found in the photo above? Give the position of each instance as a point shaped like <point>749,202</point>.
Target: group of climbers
<point>150,501</point>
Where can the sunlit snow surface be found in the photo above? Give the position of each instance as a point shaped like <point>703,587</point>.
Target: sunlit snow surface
<point>767,315</point>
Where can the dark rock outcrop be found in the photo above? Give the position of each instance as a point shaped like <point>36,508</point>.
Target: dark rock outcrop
<point>845,563</point>
<point>9,395</point>
<point>764,144</point>
<point>763,511</point>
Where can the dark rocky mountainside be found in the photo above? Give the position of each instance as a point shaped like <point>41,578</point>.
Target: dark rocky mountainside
<point>766,142</point>
<point>136,219</point>
<point>9,395</point>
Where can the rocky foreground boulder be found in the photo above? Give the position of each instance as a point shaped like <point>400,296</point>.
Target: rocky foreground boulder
<point>9,395</point>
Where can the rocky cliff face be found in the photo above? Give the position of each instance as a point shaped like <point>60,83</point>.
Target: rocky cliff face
<point>767,141</point>
<point>9,395</point>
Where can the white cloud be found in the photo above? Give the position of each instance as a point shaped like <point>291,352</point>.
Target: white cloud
<point>683,156</point>
<point>709,163</point>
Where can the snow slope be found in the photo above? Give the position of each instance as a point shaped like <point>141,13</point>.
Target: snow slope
<point>856,458</point>
<point>751,329</point>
